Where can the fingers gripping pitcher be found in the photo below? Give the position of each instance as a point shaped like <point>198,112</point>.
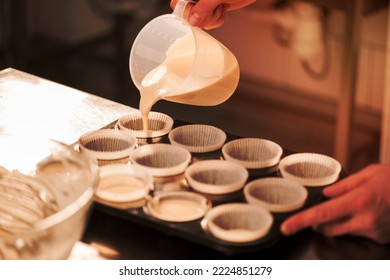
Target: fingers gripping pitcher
<point>173,60</point>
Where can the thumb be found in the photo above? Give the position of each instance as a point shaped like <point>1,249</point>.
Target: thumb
<point>173,4</point>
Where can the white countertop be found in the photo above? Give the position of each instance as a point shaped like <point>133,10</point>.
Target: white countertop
<point>36,106</point>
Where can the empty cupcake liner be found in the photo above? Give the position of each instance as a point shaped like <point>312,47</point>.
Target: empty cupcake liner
<point>276,194</point>
<point>107,144</point>
<point>177,206</point>
<point>238,222</point>
<point>161,160</point>
<point>122,183</point>
<point>102,162</point>
<point>253,153</point>
<point>310,169</point>
<point>159,124</point>
<point>198,138</point>
<point>216,176</point>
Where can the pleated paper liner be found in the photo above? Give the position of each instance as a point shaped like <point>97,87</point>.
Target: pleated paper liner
<point>107,145</point>
<point>123,205</point>
<point>216,176</point>
<point>277,195</point>
<point>259,156</point>
<point>159,125</point>
<point>238,222</point>
<point>310,169</point>
<point>198,138</point>
<point>161,160</point>
<point>177,206</point>
<point>114,161</point>
<point>123,183</point>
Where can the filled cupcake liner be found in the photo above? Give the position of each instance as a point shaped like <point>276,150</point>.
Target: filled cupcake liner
<point>159,125</point>
<point>198,138</point>
<point>310,169</point>
<point>253,153</point>
<point>177,206</point>
<point>161,160</point>
<point>123,183</point>
<point>143,141</point>
<point>216,176</point>
<point>276,194</point>
<point>107,144</point>
<point>238,222</point>
<point>123,205</point>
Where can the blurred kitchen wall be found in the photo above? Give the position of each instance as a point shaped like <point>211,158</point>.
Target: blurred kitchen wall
<point>71,21</point>
<point>272,69</point>
<point>250,34</point>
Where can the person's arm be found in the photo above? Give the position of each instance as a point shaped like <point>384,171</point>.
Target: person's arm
<point>210,14</point>
<point>358,205</point>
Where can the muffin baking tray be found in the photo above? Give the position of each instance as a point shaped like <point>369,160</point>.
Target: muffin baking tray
<point>197,230</point>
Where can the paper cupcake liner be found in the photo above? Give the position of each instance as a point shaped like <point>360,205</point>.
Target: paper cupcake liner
<point>253,153</point>
<point>107,144</point>
<point>216,176</point>
<point>161,160</point>
<point>101,162</point>
<point>198,138</point>
<point>159,124</point>
<point>123,205</point>
<point>238,222</point>
<point>276,194</point>
<point>310,169</point>
<point>120,183</point>
<point>177,206</point>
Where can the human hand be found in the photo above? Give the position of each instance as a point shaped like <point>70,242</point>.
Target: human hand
<point>210,14</point>
<point>358,205</point>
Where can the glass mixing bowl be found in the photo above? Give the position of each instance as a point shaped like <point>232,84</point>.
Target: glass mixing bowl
<point>46,192</point>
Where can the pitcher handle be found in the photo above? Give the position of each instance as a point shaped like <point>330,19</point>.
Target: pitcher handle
<point>182,8</point>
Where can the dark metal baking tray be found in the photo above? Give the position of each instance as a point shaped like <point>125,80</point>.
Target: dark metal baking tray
<point>194,230</point>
